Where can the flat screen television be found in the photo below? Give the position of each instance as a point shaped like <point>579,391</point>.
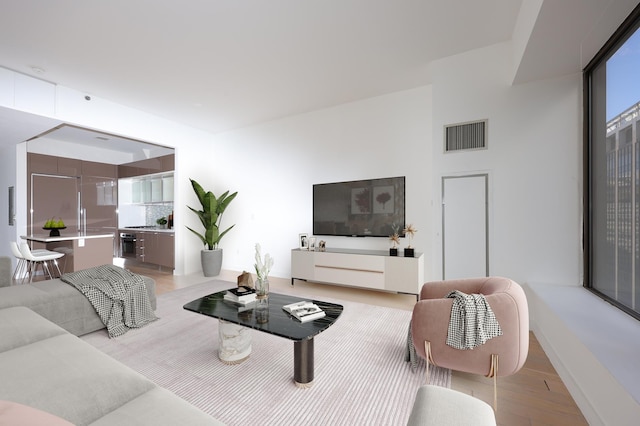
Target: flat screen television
<point>361,208</point>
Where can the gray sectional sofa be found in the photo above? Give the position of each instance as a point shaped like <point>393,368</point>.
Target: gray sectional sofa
<point>46,368</point>
<point>50,376</point>
<point>61,303</point>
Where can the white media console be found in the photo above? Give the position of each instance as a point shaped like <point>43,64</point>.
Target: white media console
<point>373,269</point>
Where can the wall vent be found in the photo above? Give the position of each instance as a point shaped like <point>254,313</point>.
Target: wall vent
<point>465,136</point>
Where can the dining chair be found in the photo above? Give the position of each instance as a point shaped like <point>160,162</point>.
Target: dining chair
<point>41,258</point>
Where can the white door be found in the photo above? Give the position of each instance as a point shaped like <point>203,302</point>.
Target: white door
<point>465,226</point>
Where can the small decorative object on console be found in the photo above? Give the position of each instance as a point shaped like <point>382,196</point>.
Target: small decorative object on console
<point>304,241</point>
<point>410,231</point>
<point>304,311</point>
<point>262,271</point>
<point>322,245</point>
<point>395,238</point>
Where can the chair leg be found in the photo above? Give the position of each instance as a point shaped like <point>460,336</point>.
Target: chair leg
<point>18,272</point>
<point>29,271</point>
<point>429,357</point>
<point>493,372</point>
<point>55,262</point>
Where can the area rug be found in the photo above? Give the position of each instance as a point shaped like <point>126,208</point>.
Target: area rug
<point>361,377</point>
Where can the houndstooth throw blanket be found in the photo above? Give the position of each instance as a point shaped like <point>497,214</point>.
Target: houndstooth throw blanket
<point>119,297</point>
<point>472,321</point>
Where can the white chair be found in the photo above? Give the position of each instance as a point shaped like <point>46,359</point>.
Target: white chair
<point>21,267</point>
<point>39,258</point>
<point>22,262</point>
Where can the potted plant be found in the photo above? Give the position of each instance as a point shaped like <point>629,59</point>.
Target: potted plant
<point>162,222</point>
<point>210,216</point>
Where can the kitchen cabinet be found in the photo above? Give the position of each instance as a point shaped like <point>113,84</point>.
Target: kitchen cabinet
<point>51,165</point>
<point>149,189</point>
<point>156,247</point>
<point>167,188</point>
<point>81,193</point>
<point>156,189</point>
<point>147,167</point>
<point>91,168</point>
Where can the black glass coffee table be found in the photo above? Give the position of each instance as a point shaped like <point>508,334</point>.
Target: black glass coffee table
<point>269,317</point>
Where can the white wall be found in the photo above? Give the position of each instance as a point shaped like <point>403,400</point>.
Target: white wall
<point>273,167</point>
<point>533,159</point>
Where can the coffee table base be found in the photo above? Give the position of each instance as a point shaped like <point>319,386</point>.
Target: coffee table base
<point>234,342</point>
<point>303,363</point>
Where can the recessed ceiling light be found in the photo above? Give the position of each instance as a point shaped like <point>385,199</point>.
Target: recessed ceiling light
<point>37,70</point>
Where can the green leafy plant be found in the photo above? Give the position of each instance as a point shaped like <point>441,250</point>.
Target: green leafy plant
<point>211,215</point>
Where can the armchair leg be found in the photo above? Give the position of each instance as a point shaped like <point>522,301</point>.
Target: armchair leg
<point>429,357</point>
<point>493,372</point>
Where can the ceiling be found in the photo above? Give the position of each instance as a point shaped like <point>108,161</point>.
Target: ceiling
<point>218,65</point>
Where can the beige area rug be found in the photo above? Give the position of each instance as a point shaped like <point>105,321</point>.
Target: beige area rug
<point>361,377</point>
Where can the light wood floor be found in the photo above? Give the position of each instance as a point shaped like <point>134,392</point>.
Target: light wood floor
<point>533,396</point>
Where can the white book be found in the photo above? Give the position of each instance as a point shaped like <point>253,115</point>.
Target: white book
<point>304,311</point>
<point>242,301</point>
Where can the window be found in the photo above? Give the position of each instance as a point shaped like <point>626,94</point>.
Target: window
<point>612,169</point>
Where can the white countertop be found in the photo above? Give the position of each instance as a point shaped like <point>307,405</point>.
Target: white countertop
<point>45,238</point>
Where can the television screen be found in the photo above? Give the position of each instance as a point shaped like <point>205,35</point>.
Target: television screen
<point>362,208</point>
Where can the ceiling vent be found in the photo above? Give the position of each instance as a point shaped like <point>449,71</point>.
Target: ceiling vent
<point>465,136</point>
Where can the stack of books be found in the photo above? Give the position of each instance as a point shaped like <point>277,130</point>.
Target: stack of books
<point>241,295</point>
<point>304,311</point>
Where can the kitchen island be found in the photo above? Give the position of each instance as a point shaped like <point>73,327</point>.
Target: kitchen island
<point>81,250</point>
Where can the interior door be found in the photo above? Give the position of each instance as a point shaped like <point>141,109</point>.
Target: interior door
<point>465,226</point>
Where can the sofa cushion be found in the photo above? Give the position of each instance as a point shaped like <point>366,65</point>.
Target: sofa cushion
<point>14,414</point>
<point>60,373</point>
<point>158,407</point>
<point>19,326</point>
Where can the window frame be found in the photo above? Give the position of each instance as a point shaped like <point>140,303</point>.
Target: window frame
<point>619,37</point>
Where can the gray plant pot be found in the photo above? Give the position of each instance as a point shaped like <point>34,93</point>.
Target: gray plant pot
<point>211,262</point>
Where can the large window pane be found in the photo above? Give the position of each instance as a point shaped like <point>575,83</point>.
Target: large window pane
<point>613,170</point>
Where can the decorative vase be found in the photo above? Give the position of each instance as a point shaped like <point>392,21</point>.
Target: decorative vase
<point>408,252</point>
<point>262,310</point>
<point>211,262</point>
<point>393,251</point>
<point>262,287</point>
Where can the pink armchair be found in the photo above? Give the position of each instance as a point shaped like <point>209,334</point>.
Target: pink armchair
<point>500,356</point>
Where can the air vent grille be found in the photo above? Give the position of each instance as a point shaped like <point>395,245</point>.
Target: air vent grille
<point>466,136</point>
